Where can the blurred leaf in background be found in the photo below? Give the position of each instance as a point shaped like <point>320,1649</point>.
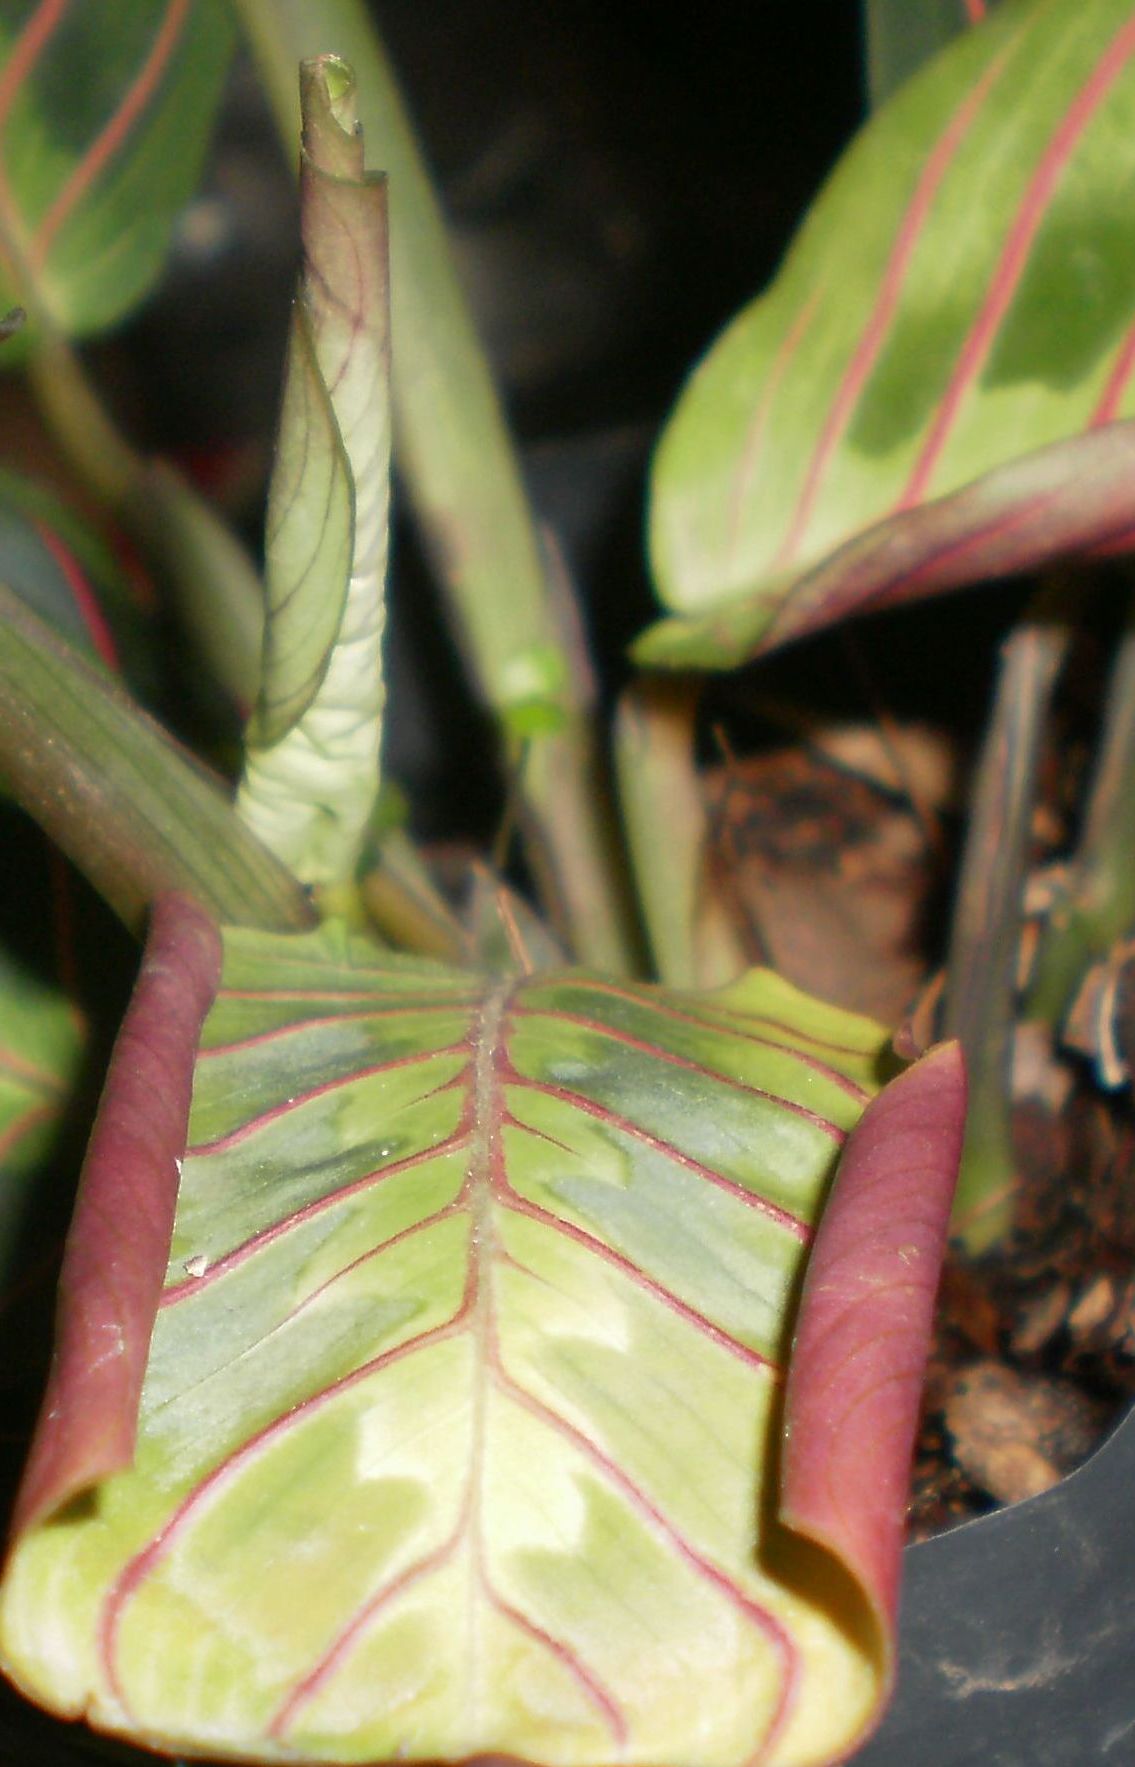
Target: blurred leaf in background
<point>103,133</point>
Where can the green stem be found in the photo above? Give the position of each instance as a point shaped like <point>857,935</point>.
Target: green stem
<point>104,781</point>
<point>79,421</point>
<point>575,847</point>
<point>214,584</point>
<point>693,940</point>
<point>464,480</point>
<point>402,901</point>
<point>1098,906</point>
<point>981,984</point>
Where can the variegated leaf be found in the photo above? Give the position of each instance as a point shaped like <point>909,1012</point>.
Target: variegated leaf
<point>463,1394</point>
<point>961,296</point>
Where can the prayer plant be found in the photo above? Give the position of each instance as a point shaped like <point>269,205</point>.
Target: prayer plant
<point>465,1348</point>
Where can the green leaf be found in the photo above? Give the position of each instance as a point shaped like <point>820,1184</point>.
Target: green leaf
<point>311,777</point>
<point>310,539</point>
<point>464,1383</point>
<point>105,114</point>
<point>962,294</point>
<point>105,117</point>
<point>1070,500</point>
<point>134,812</point>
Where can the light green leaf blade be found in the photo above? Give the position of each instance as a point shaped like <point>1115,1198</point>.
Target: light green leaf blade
<point>961,294</point>
<point>311,777</point>
<point>459,1399</point>
<point>105,114</point>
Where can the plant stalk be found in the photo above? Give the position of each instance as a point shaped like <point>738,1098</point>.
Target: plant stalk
<point>693,940</point>
<point>405,906</point>
<point>981,975</point>
<point>1098,907</point>
<point>108,786</point>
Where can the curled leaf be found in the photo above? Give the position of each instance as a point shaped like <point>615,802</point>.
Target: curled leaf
<point>111,1277</point>
<point>464,483</point>
<point>310,539</point>
<point>312,771</point>
<point>855,1377</point>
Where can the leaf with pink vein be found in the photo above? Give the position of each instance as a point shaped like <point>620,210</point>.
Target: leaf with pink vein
<point>465,1381</point>
<point>1072,500</point>
<point>90,189</point>
<point>960,299</point>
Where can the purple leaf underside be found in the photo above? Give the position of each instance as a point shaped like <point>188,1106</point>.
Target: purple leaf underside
<point>116,1250</point>
<point>1072,500</point>
<point>866,1316</point>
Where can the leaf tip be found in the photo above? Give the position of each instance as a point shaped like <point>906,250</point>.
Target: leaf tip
<point>332,135</point>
